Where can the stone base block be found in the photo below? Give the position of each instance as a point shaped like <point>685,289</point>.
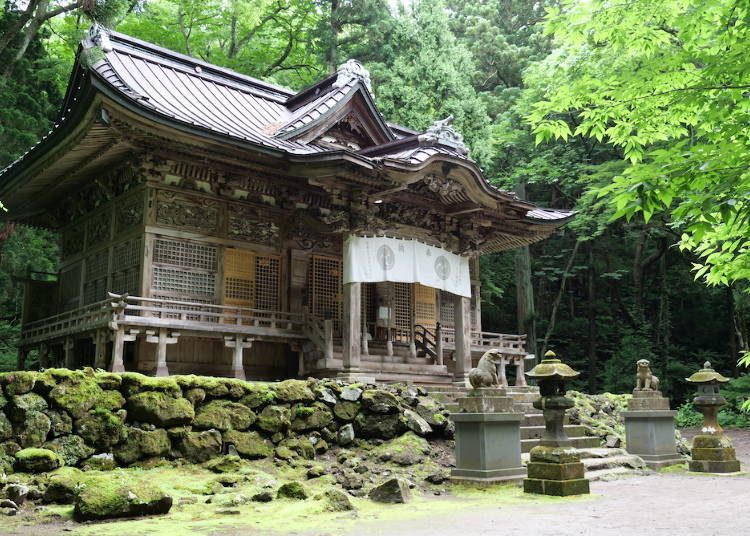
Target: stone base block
<point>650,435</point>
<point>554,454</point>
<point>660,461</point>
<point>490,477</point>
<point>355,377</point>
<point>555,471</point>
<point>559,488</point>
<point>708,466</point>
<point>485,404</point>
<point>714,454</point>
<point>488,445</point>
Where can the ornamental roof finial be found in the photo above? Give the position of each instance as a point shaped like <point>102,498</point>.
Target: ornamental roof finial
<point>352,69</point>
<point>441,132</point>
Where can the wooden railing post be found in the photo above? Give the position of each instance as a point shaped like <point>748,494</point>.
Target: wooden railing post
<point>501,376</point>
<point>520,378</point>
<point>328,338</point>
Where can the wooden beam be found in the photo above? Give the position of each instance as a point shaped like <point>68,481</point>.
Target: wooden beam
<point>162,339</point>
<point>238,344</point>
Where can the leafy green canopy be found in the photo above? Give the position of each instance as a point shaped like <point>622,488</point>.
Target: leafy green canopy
<point>666,82</point>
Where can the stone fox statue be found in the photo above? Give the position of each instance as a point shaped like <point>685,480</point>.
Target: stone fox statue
<point>485,374</point>
<point>644,379</point>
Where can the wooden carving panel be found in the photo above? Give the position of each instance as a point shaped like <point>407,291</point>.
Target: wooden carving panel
<point>129,213</point>
<point>98,229</point>
<point>185,211</point>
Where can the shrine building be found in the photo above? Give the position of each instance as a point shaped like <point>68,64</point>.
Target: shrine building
<point>211,223</point>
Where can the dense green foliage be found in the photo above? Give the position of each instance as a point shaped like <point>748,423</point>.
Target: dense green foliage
<point>640,107</point>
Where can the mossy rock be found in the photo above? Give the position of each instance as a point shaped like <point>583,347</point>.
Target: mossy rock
<point>294,391</point>
<point>258,395</point>
<point>108,381</point>
<point>3,400</point>
<point>407,449</point>
<point>101,428</point>
<point>248,444</point>
<point>292,490</point>
<point>33,430</point>
<point>299,445</point>
<point>200,447</point>
<point>134,383</point>
<point>61,422</point>
<point>378,426</point>
<point>315,417</point>
<point>432,412</point>
<point>34,460</point>
<point>71,448</point>
<point>335,500</point>
<point>141,444</point>
<point>160,409</point>
<point>224,464</point>
<point>79,393</point>
<point>380,401</point>
<point>116,494</point>
<point>224,415</point>
<point>284,453</point>
<point>274,419</point>
<point>213,386</point>
<point>22,405</point>
<point>18,383</point>
<point>6,428</point>
<point>346,411</point>
<point>196,395</point>
<point>9,448</point>
<point>99,463</point>
<point>63,485</point>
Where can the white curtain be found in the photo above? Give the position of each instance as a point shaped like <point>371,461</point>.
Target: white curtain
<point>375,259</point>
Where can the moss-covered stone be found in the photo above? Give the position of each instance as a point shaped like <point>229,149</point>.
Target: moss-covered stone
<point>200,446</point>
<point>79,393</point>
<point>108,381</point>
<point>134,383</point>
<point>71,448</point>
<point>224,464</point>
<point>284,453</point>
<point>432,412</point>
<point>379,426</point>
<point>258,395</point>
<point>315,417</point>
<point>6,428</point>
<point>116,494</point>
<point>160,409</point>
<point>34,460</point>
<point>19,383</point>
<point>407,449</point>
<point>335,500</point>
<point>196,395</point>
<point>61,422</point>
<point>294,391</point>
<point>380,401</point>
<point>292,490</point>
<point>392,491</point>
<point>99,463</point>
<point>140,444</point>
<point>101,428</point>
<point>3,400</point>
<point>224,415</point>
<point>274,419</point>
<point>9,448</point>
<point>32,431</point>
<point>300,446</point>
<point>22,405</point>
<point>345,410</point>
<point>63,485</point>
<point>248,444</point>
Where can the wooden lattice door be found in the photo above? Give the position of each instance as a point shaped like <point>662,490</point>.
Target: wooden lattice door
<point>402,310</point>
<point>425,306</point>
<point>325,288</point>
<point>239,278</point>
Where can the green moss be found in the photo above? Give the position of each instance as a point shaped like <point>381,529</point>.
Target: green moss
<point>248,444</point>
<point>315,417</point>
<point>407,449</point>
<point>380,401</point>
<point>79,393</point>
<point>141,444</point>
<point>160,409</point>
<point>117,494</point>
<point>3,400</point>
<point>274,419</point>
<point>134,383</point>
<point>6,429</point>
<point>71,448</point>
<point>257,395</point>
<point>63,485</point>
<point>294,391</point>
<point>61,423</point>
<point>299,445</point>
<point>32,431</point>
<point>200,446</point>
<point>18,383</point>
<point>292,490</point>
<point>34,460</point>
<point>22,405</point>
<point>101,428</point>
<point>345,410</point>
<point>108,381</point>
<point>99,464</point>
<point>224,415</point>
<point>224,464</point>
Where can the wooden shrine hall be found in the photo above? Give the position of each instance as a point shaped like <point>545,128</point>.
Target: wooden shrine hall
<point>212,223</point>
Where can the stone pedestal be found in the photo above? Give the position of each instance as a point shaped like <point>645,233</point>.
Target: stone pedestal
<point>649,429</point>
<point>488,439</point>
<point>713,453</point>
<point>555,471</point>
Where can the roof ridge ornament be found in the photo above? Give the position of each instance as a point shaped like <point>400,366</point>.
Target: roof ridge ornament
<point>352,69</point>
<point>99,36</point>
<point>441,132</point>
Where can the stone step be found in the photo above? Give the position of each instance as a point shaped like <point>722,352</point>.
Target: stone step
<point>578,442</point>
<point>535,432</point>
<point>627,461</point>
<point>601,452</point>
<point>610,473</point>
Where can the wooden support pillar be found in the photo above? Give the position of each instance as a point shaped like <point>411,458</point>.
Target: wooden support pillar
<point>100,338</point>
<point>118,348</point>
<point>162,339</point>
<point>43,356</point>
<point>520,378</point>
<point>438,344</point>
<point>502,377</point>
<point>463,340</point>
<point>351,326</point>
<point>69,356</point>
<point>23,353</point>
<point>365,342</point>
<point>238,343</point>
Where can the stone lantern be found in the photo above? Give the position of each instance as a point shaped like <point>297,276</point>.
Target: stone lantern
<point>554,467</point>
<point>712,450</point>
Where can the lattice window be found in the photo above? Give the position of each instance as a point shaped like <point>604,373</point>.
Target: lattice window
<point>184,283</point>
<point>126,267</point>
<point>425,305</point>
<point>70,287</point>
<point>402,310</point>
<point>185,254</point>
<point>239,278</point>
<point>447,309</point>
<point>95,285</point>
<point>325,288</point>
<point>267,282</point>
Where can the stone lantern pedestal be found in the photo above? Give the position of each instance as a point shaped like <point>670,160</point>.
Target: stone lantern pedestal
<point>712,450</point>
<point>488,438</point>
<point>649,429</point>
<point>554,466</point>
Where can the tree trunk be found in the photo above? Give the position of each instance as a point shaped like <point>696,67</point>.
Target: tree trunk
<point>558,297</point>
<point>591,314</point>
<point>333,45</point>
<point>525,308</point>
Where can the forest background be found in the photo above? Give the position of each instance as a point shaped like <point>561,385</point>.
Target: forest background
<point>560,101</point>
